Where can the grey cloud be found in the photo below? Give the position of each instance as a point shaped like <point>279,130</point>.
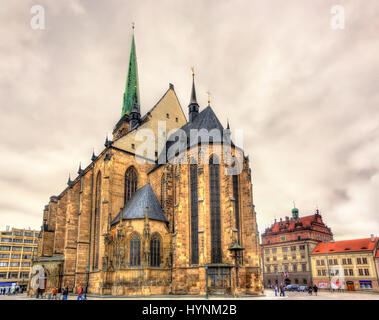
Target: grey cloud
<point>305,95</point>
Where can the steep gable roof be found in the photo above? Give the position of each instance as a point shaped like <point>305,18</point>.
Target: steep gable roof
<point>206,119</point>
<point>353,245</point>
<point>135,208</point>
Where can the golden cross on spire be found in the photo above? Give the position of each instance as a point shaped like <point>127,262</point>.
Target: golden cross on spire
<point>193,71</point>
<point>133,26</point>
<point>209,97</point>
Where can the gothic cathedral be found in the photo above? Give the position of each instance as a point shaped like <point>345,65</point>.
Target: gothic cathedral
<point>147,221</point>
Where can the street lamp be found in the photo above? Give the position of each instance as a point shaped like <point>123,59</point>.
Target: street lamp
<point>327,261</point>
<point>235,248</point>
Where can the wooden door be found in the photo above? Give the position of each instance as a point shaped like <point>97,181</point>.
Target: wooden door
<point>350,287</point>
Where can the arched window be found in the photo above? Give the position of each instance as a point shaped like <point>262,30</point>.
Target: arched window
<point>130,183</point>
<point>155,250</point>
<point>97,221</point>
<point>214,182</point>
<point>163,189</point>
<point>135,250</point>
<point>194,215</point>
<point>236,204</point>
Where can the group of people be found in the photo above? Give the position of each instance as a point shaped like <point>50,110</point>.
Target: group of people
<point>312,289</point>
<point>54,293</point>
<point>281,290</point>
<point>9,290</point>
<point>80,293</point>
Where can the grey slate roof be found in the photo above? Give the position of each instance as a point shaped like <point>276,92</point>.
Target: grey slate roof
<point>206,119</point>
<point>135,208</point>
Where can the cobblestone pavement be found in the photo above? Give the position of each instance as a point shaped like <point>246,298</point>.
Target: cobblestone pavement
<point>268,295</point>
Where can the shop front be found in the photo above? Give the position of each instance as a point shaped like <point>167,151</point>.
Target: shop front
<point>365,284</point>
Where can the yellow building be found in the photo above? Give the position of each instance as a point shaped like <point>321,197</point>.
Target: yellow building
<point>347,264</point>
<point>17,249</point>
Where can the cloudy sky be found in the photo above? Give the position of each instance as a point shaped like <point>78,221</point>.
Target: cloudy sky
<point>305,95</point>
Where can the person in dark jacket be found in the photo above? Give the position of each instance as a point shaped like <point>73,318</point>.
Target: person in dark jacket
<point>315,289</point>
<point>65,293</point>
<point>310,289</point>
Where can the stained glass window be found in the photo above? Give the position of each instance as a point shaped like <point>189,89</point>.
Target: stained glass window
<point>130,183</point>
<point>97,220</point>
<point>135,250</point>
<point>194,215</point>
<point>214,177</point>
<point>155,251</point>
<point>236,204</point>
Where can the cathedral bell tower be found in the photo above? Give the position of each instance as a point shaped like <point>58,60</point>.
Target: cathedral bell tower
<point>131,100</point>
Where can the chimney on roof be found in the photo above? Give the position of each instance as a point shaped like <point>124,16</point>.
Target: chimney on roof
<point>372,238</point>
<point>280,219</point>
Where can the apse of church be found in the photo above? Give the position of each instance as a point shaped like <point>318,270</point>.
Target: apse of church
<point>129,224</point>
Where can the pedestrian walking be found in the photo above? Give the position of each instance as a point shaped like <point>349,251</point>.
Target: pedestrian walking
<point>65,293</point>
<point>310,289</point>
<point>54,292</point>
<point>281,288</point>
<point>315,289</point>
<point>276,290</point>
<point>80,293</point>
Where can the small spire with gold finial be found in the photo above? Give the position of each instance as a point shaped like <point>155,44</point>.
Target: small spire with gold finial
<point>193,105</point>
<point>209,97</point>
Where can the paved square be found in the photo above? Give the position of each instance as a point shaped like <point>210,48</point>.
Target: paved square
<point>269,295</point>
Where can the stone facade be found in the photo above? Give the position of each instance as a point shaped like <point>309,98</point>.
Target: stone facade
<point>113,242</point>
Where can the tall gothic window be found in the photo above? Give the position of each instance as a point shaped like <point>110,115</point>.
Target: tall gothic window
<point>194,215</point>
<point>97,221</point>
<point>214,181</point>
<point>236,204</point>
<point>155,251</point>
<point>163,189</point>
<point>135,250</point>
<point>130,183</point>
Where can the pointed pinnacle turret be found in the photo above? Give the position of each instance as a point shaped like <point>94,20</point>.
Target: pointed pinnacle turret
<point>193,105</point>
<point>107,142</point>
<point>132,86</point>
<point>69,182</point>
<point>93,158</point>
<point>193,92</point>
<point>80,170</point>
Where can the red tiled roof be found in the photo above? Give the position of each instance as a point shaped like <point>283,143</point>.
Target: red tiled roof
<point>306,221</point>
<point>346,246</point>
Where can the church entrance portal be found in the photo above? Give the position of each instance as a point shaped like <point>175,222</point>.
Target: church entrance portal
<point>219,280</point>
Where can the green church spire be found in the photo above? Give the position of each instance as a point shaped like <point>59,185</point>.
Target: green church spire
<point>132,87</point>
